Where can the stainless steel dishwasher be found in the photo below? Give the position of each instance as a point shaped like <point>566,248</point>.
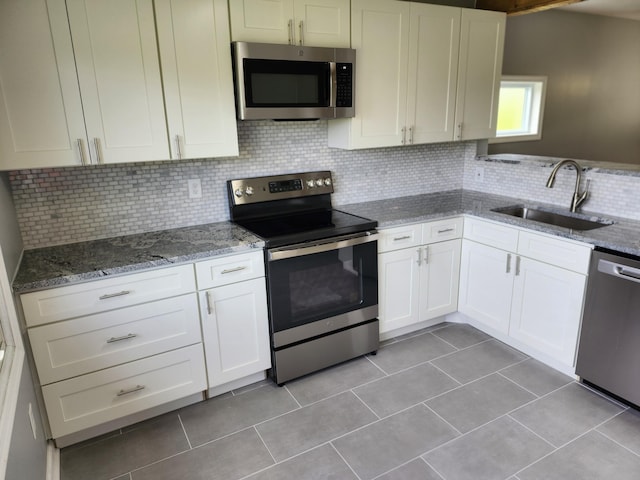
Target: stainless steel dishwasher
<point>609,348</point>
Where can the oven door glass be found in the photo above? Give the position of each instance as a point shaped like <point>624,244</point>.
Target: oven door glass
<point>281,83</point>
<point>311,287</point>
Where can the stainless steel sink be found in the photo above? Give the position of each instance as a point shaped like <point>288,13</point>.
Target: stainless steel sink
<point>572,221</point>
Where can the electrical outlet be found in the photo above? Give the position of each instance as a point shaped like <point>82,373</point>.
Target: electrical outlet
<point>195,188</point>
<point>479,176</point>
<point>33,423</point>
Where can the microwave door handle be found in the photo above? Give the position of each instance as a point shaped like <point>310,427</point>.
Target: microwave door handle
<point>333,84</point>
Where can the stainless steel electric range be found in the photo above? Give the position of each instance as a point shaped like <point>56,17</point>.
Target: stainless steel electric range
<point>322,270</point>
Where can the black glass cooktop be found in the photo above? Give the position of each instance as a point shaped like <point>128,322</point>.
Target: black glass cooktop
<point>295,228</point>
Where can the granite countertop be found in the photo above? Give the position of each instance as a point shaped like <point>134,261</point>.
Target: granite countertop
<point>623,235</point>
<point>79,262</point>
<point>73,263</point>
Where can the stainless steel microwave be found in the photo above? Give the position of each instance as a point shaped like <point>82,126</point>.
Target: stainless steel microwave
<point>288,82</point>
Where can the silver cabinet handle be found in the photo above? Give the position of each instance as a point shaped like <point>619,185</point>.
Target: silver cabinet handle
<point>508,263</point>
<point>232,270</point>
<point>419,257</point>
<point>98,146</point>
<point>300,26</point>
<point>405,237</point>
<point>209,303</point>
<point>112,295</point>
<point>404,135</point>
<point>179,146</point>
<point>459,129</point>
<point>446,230</point>
<point>83,156</point>
<point>124,337</point>
<point>137,388</point>
<point>411,135</point>
<point>426,255</point>
<point>517,265</point>
<point>624,272</point>
<point>290,26</point>
<point>299,250</point>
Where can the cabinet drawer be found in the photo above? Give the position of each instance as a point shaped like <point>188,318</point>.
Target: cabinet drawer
<point>493,234</point>
<point>556,251</point>
<point>442,230</point>
<point>102,295</point>
<point>399,237</point>
<point>86,401</point>
<point>231,269</point>
<point>82,345</point>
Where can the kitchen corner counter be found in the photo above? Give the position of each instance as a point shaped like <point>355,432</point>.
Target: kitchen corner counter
<point>622,236</point>
<point>80,262</point>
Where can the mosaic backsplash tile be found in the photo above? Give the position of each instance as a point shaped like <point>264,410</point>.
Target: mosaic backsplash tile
<point>65,205</point>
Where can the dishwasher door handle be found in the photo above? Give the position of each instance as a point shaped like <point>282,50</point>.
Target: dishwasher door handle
<point>621,271</point>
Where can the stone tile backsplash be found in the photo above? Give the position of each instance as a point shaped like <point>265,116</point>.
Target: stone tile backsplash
<point>65,205</point>
<point>612,191</point>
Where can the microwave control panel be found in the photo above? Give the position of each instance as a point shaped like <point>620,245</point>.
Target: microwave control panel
<point>344,81</point>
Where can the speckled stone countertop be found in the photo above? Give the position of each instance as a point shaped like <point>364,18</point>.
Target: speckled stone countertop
<point>79,262</point>
<point>73,263</point>
<point>623,235</point>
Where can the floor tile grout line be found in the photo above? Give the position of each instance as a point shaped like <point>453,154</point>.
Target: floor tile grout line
<point>460,384</point>
<point>441,475</point>
<point>443,419</point>
<point>602,395</point>
<point>418,457</point>
<point>366,405</point>
<point>344,460</point>
<point>614,440</point>
<point>292,395</point>
<point>184,430</point>
<point>555,447</point>
<point>368,357</point>
<point>499,372</point>
<point>275,462</point>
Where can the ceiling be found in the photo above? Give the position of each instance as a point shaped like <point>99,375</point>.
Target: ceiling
<point>629,9</point>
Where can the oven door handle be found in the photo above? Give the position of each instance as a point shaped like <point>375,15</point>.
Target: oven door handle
<point>318,247</point>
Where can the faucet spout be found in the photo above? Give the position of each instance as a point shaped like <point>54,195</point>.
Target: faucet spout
<point>578,197</point>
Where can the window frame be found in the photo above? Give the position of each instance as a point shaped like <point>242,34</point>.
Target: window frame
<point>533,109</point>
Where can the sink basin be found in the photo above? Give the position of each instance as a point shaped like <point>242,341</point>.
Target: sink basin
<point>572,221</point>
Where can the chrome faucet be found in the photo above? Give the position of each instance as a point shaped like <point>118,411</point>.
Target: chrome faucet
<point>578,197</point>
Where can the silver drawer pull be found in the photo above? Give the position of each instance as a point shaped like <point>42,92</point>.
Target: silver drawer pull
<point>232,270</point>
<point>113,295</point>
<point>137,388</point>
<point>446,230</point>
<point>124,337</point>
<point>406,237</point>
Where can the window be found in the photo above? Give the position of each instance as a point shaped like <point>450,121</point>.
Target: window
<point>520,109</point>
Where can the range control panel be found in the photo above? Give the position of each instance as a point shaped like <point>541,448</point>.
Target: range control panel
<point>278,187</point>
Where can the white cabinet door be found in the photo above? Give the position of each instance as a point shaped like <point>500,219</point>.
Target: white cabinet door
<point>198,82</point>
<point>267,21</point>
<point>486,285</point>
<point>433,72</point>
<point>439,279</point>
<point>380,34</point>
<point>547,308</point>
<point>319,23</point>
<point>41,119</point>
<point>118,69</point>
<point>479,72</point>
<point>322,23</point>
<point>399,289</point>
<point>235,329</point>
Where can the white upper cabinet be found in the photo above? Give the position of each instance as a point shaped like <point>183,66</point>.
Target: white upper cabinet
<point>425,73</point>
<point>320,23</point>
<point>380,35</point>
<point>480,68</point>
<point>193,36</point>
<point>432,74</point>
<point>119,74</point>
<point>41,119</point>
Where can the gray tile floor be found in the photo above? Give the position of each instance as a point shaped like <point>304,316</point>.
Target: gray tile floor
<point>445,403</point>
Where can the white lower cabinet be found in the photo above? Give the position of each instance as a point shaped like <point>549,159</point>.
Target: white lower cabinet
<point>520,295</point>
<point>115,351</point>
<point>234,319</point>
<point>418,267</point>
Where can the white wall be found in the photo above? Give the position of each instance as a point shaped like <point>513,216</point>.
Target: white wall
<point>593,66</point>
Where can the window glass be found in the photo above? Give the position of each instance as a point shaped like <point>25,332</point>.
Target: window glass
<point>520,109</point>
